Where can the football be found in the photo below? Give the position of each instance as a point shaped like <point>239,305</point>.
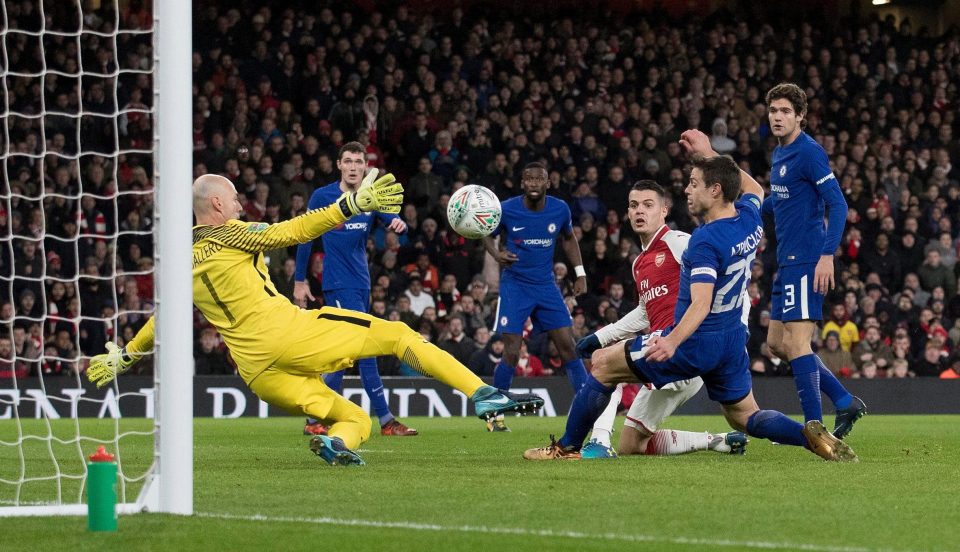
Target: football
<point>474,211</point>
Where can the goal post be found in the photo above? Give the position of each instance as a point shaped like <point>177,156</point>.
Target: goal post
<point>174,338</point>
<point>59,447</point>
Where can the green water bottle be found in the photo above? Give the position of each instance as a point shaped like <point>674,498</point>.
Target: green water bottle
<point>101,491</point>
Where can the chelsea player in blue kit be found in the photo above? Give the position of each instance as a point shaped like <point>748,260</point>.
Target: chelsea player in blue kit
<point>530,227</point>
<point>708,338</point>
<point>346,277</point>
<point>801,185</point>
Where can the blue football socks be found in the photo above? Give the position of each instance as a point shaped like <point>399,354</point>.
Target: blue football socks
<point>503,376</point>
<point>773,425</point>
<point>806,374</point>
<point>831,386</point>
<point>372,384</point>
<point>590,401</point>
<point>576,373</point>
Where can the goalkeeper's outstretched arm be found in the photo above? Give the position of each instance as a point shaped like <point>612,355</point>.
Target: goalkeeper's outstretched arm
<point>382,194</point>
<point>104,368</point>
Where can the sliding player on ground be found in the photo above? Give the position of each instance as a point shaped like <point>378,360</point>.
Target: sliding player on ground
<point>708,338</point>
<point>657,274</point>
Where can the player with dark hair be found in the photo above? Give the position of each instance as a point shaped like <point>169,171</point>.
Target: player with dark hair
<point>281,350</point>
<point>657,274</point>
<point>346,277</point>
<point>708,338</point>
<point>530,228</point>
<point>802,185</point>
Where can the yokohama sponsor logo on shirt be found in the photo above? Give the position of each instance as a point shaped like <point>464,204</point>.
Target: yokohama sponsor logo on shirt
<point>540,242</point>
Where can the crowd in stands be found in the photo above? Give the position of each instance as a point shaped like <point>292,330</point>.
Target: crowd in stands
<point>446,99</point>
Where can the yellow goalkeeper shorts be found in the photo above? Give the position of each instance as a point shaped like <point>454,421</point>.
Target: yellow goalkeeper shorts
<point>323,341</point>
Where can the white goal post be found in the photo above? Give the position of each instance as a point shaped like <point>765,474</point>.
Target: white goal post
<point>168,484</point>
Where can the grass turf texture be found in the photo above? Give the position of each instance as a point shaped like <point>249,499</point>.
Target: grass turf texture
<point>458,487</point>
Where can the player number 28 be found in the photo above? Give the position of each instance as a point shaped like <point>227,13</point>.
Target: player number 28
<point>739,273</point>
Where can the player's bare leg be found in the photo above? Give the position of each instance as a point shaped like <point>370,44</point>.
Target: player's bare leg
<point>641,436</point>
<point>567,348</point>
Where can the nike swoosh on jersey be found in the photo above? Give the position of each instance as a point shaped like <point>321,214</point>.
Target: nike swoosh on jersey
<point>788,310</point>
<point>515,229</point>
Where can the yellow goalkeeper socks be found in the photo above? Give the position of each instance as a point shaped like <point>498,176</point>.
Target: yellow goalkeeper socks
<point>399,340</point>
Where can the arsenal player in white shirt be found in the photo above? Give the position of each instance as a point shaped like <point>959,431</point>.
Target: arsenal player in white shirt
<point>657,274</point>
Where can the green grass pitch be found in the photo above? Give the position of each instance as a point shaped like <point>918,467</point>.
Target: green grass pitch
<point>457,487</point>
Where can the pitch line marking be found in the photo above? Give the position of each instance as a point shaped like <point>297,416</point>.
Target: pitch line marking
<point>549,533</point>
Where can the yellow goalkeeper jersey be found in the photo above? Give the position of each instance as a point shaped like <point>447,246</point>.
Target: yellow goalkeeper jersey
<point>232,287</point>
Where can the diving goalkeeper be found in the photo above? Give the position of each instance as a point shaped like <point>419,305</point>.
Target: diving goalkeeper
<point>281,350</point>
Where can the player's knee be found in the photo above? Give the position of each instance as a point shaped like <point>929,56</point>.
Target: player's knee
<point>776,347</point>
<point>602,367</point>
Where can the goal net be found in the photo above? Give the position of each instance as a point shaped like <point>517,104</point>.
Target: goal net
<point>80,208</point>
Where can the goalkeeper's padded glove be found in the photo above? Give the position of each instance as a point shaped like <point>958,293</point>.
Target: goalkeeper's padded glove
<point>104,368</point>
<point>382,194</point>
<point>587,345</point>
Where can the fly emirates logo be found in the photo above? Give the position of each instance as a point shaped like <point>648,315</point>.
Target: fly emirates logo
<point>647,293</point>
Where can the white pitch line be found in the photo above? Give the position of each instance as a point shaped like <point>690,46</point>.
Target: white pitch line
<point>522,531</point>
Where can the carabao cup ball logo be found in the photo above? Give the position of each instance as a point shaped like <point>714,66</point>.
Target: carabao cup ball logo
<point>474,211</point>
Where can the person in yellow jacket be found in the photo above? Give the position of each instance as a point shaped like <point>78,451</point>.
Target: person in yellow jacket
<point>281,350</point>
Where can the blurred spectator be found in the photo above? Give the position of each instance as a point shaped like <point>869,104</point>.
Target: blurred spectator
<point>284,279</point>
<point>837,360</point>
<point>10,366</point>
<point>457,343</point>
<point>934,274</point>
<point>530,366</point>
<point>484,361</point>
<point>931,364</point>
<point>872,349</point>
<point>419,299</point>
<point>844,328</point>
<point>901,369</point>
<point>210,358</point>
<point>953,369</point>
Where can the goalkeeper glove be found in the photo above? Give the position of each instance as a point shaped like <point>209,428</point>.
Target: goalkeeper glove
<point>104,368</point>
<point>382,194</point>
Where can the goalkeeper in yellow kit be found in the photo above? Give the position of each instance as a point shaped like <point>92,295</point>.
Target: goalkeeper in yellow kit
<point>281,350</point>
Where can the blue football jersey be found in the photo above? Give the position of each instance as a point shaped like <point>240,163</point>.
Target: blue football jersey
<point>344,247</point>
<point>532,236</point>
<point>799,176</point>
<point>720,253</point>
